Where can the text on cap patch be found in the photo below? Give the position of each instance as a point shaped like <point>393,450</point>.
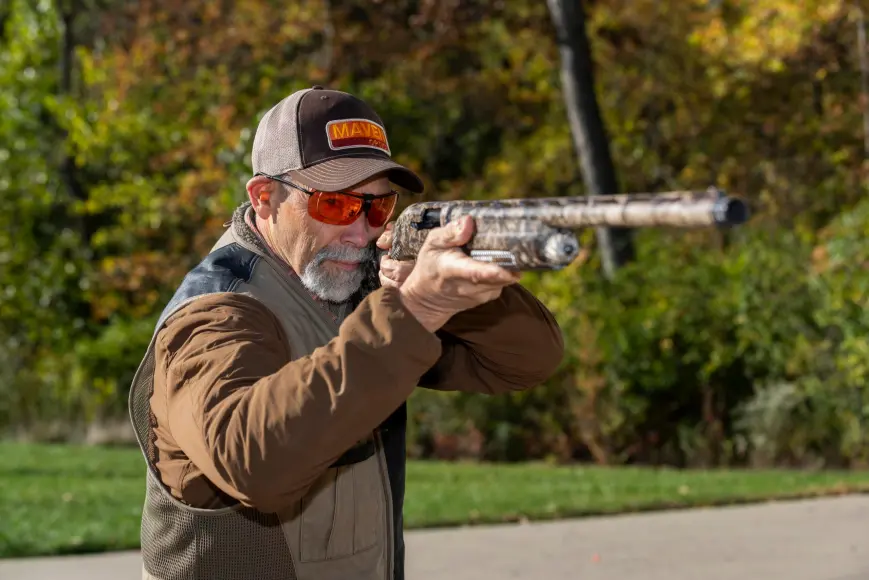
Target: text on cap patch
<point>349,133</point>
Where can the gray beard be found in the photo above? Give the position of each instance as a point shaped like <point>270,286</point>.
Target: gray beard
<point>339,285</point>
<point>369,281</point>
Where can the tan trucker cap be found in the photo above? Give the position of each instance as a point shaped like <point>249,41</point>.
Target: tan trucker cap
<point>328,140</point>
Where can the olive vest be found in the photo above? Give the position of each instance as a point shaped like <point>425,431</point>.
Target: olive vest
<point>349,525</point>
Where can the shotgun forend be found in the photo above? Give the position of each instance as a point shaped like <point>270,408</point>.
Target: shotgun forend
<point>538,233</point>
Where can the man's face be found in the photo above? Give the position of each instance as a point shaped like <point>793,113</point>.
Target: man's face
<point>328,258</point>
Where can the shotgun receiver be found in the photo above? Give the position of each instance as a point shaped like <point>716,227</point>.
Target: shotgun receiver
<point>538,233</point>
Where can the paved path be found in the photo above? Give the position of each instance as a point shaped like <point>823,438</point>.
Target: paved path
<point>806,540</point>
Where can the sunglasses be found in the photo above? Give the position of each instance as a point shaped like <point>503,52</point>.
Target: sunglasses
<point>342,208</point>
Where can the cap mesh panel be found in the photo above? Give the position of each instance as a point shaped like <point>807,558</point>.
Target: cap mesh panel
<point>276,143</point>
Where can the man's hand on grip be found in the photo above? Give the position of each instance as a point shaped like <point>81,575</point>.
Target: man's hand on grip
<point>392,272</point>
<point>445,281</point>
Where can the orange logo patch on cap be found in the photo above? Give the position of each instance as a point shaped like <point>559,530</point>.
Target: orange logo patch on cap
<point>349,133</point>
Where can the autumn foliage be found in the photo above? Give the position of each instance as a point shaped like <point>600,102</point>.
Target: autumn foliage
<point>125,131</point>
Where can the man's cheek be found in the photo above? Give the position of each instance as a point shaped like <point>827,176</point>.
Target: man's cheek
<point>315,240</point>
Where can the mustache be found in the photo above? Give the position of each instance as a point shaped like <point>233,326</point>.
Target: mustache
<point>344,254</point>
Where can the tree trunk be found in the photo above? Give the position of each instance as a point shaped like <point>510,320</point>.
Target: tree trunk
<point>864,75</point>
<point>69,11</point>
<point>68,171</point>
<point>586,124</point>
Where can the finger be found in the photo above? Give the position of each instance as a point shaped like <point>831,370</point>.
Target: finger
<point>500,277</point>
<point>454,234</point>
<point>387,268</point>
<point>462,261</point>
<point>497,275</point>
<point>398,271</point>
<point>387,281</point>
<point>387,264</point>
<point>467,268</point>
<point>384,242</point>
<point>401,273</point>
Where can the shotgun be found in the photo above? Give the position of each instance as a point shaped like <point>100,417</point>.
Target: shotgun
<point>540,233</point>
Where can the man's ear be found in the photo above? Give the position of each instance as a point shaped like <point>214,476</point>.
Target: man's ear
<point>260,193</point>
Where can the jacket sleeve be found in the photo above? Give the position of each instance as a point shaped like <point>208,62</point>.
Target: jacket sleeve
<point>509,344</point>
<point>263,427</point>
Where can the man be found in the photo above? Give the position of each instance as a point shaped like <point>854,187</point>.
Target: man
<point>270,405</point>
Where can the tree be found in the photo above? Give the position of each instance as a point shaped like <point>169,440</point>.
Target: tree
<point>587,126</point>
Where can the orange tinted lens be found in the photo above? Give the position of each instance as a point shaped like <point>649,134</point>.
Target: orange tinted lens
<point>380,210</point>
<point>334,208</point>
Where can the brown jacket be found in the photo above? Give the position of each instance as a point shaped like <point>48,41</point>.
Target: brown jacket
<point>238,419</point>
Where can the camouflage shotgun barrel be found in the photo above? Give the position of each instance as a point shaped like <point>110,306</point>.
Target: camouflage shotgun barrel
<point>538,233</point>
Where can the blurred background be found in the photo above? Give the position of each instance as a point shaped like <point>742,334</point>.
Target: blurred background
<point>125,135</point>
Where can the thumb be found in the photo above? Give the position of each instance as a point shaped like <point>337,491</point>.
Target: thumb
<point>454,234</point>
<point>385,239</point>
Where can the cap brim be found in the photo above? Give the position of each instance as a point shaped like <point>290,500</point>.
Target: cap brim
<point>345,172</point>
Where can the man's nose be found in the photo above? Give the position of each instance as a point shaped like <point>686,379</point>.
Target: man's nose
<point>359,233</point>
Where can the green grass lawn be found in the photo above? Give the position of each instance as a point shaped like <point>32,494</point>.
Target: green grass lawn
<point>64,499</point>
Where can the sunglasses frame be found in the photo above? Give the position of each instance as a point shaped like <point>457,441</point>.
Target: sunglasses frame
<point>367,198</point>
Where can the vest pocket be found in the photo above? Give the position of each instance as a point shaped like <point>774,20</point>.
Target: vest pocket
<point>344,514</point>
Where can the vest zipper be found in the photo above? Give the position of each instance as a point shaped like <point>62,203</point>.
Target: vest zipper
<point>384,477</point>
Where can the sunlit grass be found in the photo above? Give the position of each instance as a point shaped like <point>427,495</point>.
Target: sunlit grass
<point>64,499</point>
